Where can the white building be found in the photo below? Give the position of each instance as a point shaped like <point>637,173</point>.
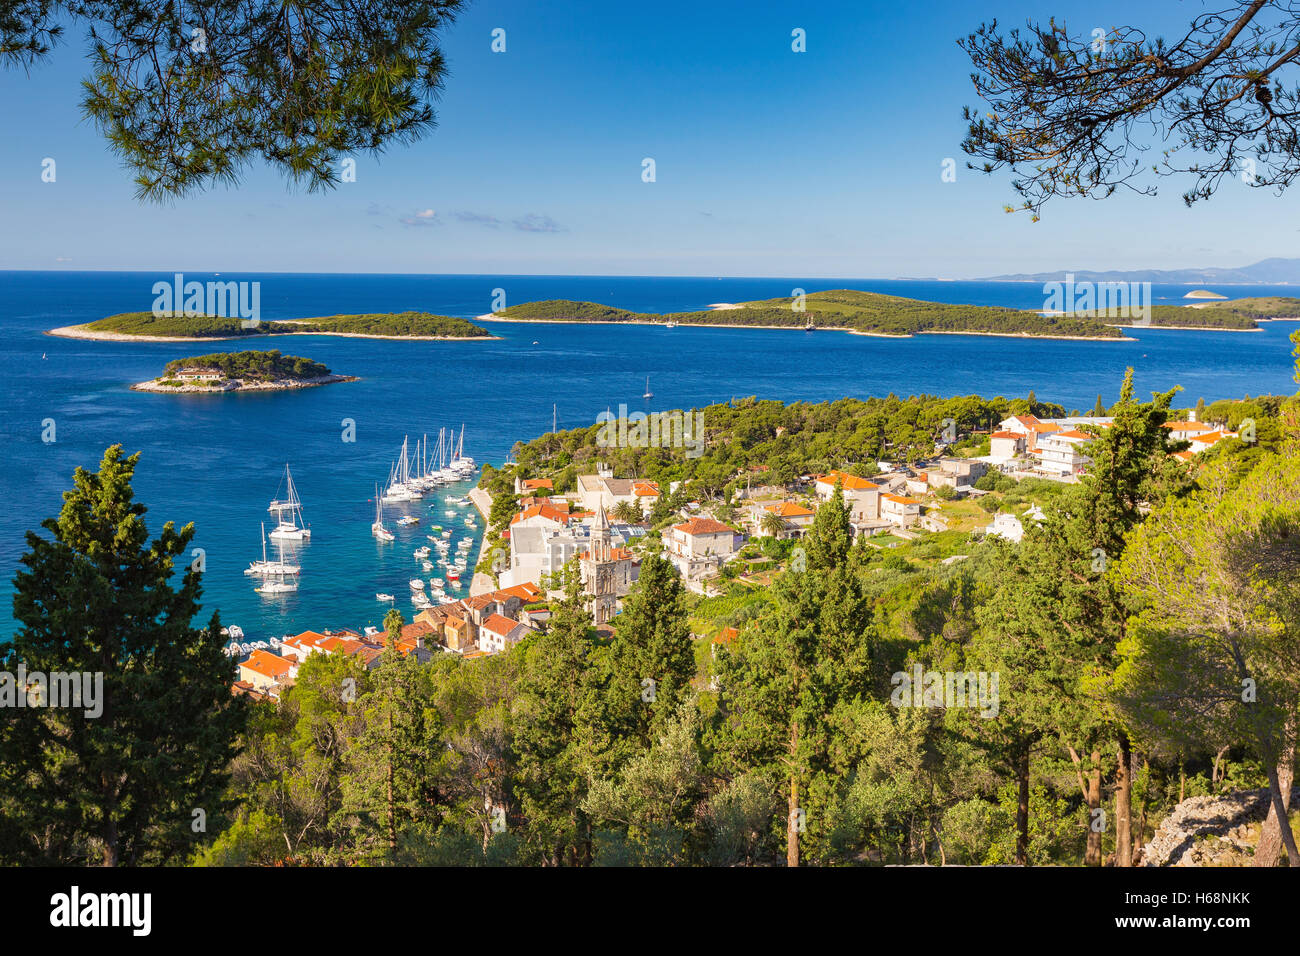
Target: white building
<point>862,496</point>
<point>699,545</point>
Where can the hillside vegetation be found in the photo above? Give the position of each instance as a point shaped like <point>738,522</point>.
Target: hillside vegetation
<point>856,311</point>
<point>395,324</point>
<point>871,312</point>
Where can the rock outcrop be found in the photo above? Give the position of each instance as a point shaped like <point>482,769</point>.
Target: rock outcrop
<point>1213,830</point>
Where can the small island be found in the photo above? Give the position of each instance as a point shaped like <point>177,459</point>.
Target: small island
<point>241,372</point>
<point>179,327</point>
<point>1203,294</point>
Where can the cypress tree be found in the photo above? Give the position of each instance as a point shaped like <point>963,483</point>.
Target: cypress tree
<point>137,782</point>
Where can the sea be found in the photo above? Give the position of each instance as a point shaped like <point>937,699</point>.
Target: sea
<point>217,460</point>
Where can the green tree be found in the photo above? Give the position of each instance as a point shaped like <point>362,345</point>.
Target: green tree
<point>188,95</point>
<point>1213,655</point>
<point>119,782</point>
<point>830,537</point>
<point>550,730</point>
<point>783,686</point>
<point>652,658</point>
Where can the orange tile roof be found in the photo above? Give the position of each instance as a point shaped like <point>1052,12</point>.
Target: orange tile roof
<point>499,625</point>
<point>525,592</point>
<point>1027,420</point>
<point>1074,433</point>
<point>1209,439</point>
<point>546,511</point>
<point>788,509</point>
<point>1015,435</point>
<point>268,664</point>
<point>901,500</point>
<point>532,484</point>
<point>417,629</point>
<point>646,489</point>
<point>1187,426</point>
<point>703,526</point>
<point>847,482</point>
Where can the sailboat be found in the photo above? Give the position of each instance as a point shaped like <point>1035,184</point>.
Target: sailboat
<point>378,529</point>
<point>288,513</point>
<point>280,582</point>
<point>265,567</point>
<point>648,393</point>
<point>400,486</point>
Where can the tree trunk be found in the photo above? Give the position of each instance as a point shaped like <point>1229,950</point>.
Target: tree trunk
<point>1022,807</point>
<point>1090,788</point>
<point>1124,804</point>
<point>1269,851</point>
<point>791,820</point>
<point>1278,807</point>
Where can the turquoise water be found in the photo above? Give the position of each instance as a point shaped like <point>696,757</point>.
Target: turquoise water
<point>217,460</point>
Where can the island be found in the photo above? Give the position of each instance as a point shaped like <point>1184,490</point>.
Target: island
<point>841,310</point>
<point>871,313</point>
<point>148,327</point>
<point>241,372</point>
<point>1203,294</point>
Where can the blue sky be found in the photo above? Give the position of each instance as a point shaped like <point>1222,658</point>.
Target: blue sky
<point>769,162</point>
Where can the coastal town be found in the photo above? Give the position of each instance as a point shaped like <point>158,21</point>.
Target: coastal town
<point>603,525</point>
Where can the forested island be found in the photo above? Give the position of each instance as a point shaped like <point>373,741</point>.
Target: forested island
<point>145,326</point>
<point>241,372</point>
<point>870,313</point>
<point>848,310</point>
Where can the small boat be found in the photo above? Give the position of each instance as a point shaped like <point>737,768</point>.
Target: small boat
<point>453,574</point>
<point>422,552</point>
<point>381,596</point>
<point>370,631</point>
<point>407,520</point>
<point>446,599</point>
<point>648,393</point>
<point>446,535</point>
<point>450,513</point>
<point>235,631</point>
<point>417,584</point>
<point>426,565</point>
<point>437,582</point>
<point>419,600</point>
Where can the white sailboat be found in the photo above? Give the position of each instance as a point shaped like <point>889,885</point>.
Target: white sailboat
<point>400,487</point>
<point>378,529</point>
<point>265,567</point>
<point>648,393</point>
<point>278,582</point>
<point>290,525</point>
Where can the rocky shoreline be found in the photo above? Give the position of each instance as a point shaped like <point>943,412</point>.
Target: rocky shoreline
<point>239,385</point>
